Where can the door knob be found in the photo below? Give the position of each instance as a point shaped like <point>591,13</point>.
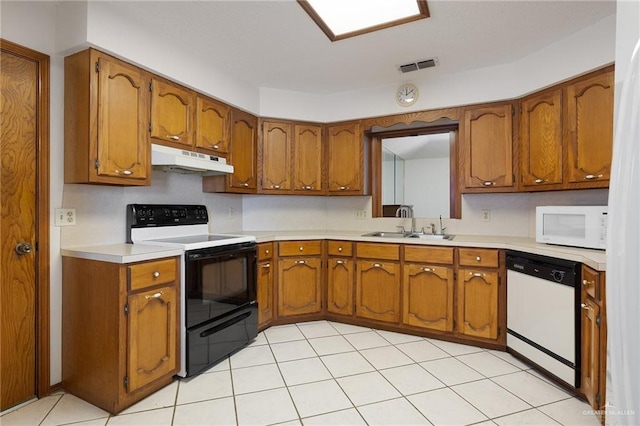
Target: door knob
<point>23,248</point>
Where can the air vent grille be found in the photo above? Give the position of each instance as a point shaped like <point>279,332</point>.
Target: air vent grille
<point>418,65</point>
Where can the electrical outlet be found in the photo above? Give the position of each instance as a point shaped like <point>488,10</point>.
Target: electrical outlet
<point>486,215</point>
<point>65,217</point>
<point>361,214</point>
<point>232,213</point>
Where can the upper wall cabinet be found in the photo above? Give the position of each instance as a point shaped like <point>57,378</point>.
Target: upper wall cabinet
<point>105,121</point>
<point>541,140</point>
<point>487,148</point>
<point>345,159</point>
<point>589,130</point>
<point>290,158</point>
<point>212,126</point>
<point>172,114</point>
<point>242,156</point>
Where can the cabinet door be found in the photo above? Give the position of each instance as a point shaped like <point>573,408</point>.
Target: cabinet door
<point>487,147</point>
<point>153,326</point>
<point>276,156</point>
<point>307,158</point>
<point>590,351</point>
<point>345,159</point>
<point>428,296</point>
<point>340,286</point>
<point>541,140</point>
<point>172,113</point>
<point>212,126</point>
<point>265,293</point>
<point>123,150</point>
<point>478,303</point>
<point>589,123</point>
<point>299,286</point>
<point>378,290</point>
<point>243,154</point>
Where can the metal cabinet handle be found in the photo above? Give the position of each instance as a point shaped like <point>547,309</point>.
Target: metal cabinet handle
<point>541,180</point>
<point>488,183</point>
<point>477,274</point>
<point>156,274</point>
<point>244,184</point>
<point>585,306</point>
<point>340,249</point>
<point>377,265</point>
<point>124,172</point>
<point>478,259</point>
<point>154,296</point>
<point>266,266</point>
<point>216,146</point>
<point>307,187</point>
<point>174,137</point>
<point>342,188</point>
<point>23,248</point>
<point>592,177</point>
<point>301,248</point>
<point>276,186</point>
<point>340,262</point>
<point>428,269</point>
<point>266,251</point>
<point>300,262</point>
<point>586,283</point>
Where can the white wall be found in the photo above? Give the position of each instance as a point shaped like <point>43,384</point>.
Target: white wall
<point>427,186</point>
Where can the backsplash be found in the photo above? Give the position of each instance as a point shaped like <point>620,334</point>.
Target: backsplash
<point>101,210</point>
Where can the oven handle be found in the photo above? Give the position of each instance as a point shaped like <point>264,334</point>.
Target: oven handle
<point>225,324</point>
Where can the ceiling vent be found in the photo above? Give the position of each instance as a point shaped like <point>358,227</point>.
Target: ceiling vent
<point>420,65</point>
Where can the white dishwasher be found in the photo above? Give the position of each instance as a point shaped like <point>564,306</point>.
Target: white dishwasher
<point>543,313</point>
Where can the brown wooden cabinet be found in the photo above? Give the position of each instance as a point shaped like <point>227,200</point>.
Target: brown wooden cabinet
<point>345,159</point>
<point>275,156</point>
<point>307,159</point>
<point>172,114</point>
<point>428,287</point>
<point>212,126</point>
<point>478,303</point>
<point>487,147</point>
<point>121,329</point>
<point>265,283</point>
<point>594,337</point>
<point>105,121</point>
<point>378,282</point>
<point>541,141</point>
<point>242,156</point>
<point>300,277</point>
<point>340,277</point>
<point>589,130</point>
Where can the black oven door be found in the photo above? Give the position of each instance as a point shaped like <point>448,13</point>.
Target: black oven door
<point>218,280</point>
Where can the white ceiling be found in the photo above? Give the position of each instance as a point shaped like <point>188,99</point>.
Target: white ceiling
<point>275,44</point>
<point>418,147</point>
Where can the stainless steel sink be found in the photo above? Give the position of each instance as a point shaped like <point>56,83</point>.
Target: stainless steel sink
<point>430,236</point>
<point>385,234</point>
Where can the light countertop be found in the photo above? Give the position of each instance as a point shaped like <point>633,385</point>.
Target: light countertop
<point>121,253</point>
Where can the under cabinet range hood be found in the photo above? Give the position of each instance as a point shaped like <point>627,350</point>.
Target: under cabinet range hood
<point>187,162</point>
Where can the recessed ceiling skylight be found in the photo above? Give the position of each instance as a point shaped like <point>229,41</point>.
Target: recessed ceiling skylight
<point>341,19</point>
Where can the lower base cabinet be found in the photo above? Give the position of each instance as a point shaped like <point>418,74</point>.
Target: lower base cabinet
<point>265,282</point>
<point>478,303</point>
<point>378,282</point>
<point>428,296</point>
<point>300,278</point>
<point>121,329</point>
<point>340,285</point>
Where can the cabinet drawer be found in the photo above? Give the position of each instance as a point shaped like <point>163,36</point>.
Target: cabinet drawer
<point>479,257</point>
<point>340,248</point>
<point>378,251</point>
<point>428,254</point>
<point>149,274</point>
<point>300,248</point>
<point>265,251</point>
<point>591,282</point>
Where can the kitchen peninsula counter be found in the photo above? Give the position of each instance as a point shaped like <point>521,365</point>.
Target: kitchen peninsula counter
<point>121,253</point>
<point>595,259</point>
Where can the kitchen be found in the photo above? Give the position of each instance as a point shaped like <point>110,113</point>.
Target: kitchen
<point>100,208</point>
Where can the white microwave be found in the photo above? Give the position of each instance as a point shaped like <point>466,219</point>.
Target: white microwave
<point>577,226</point>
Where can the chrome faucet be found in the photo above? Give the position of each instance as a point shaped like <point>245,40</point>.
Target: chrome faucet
<point>405,211</point>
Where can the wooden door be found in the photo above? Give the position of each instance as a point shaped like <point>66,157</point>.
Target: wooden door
<point>428,296</point>
<point>24,225</point>
<point>212,126</point>
<point>590,351</point>
<point>589,124</point>
<point>265,293</point>
<point>378,290</point>
<point>478,303</point>
<point>122,105</point>
<point>299,286</point>
<point>487,147</point>
<point>153,326</point>
<point>340,286</point>
<point>345,158</point>
<point>541,140</point>
<point>243,154</point>
<point>276,156</point>
<point>172,114</point>
<point>307,158</point>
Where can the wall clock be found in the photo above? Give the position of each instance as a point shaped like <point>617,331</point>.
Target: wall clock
<point>406,95</point>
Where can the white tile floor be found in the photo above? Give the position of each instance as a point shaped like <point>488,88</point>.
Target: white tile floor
<point>324,373</point>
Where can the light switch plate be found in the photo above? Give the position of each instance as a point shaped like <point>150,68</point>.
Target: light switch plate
<point>486,215</point>
<point>65,217</point>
